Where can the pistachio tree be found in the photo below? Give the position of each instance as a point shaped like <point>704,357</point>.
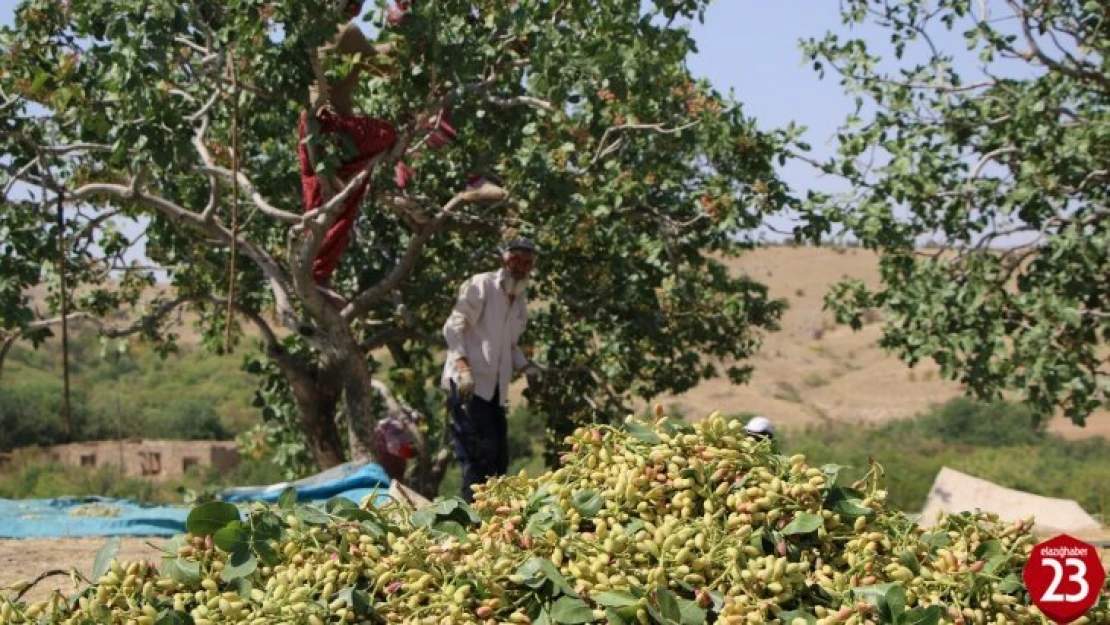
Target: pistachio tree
<point>978,162</point>
<point>633,177</point>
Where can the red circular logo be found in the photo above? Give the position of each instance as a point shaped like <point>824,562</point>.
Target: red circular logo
<point>1064,577</point>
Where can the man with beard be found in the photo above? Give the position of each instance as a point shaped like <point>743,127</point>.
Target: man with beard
<point>482,335</point>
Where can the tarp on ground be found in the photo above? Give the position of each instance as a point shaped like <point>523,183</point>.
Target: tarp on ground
<point>72,517</point>
<point>955,492</point>
<point>336,481</point>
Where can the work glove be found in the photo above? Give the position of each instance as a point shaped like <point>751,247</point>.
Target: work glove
<point>465,384</point>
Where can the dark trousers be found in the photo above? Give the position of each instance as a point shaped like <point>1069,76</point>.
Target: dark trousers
<point>480,436</point>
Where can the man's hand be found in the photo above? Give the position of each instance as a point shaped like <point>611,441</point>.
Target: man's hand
<point>466,381</point>
<point>533,369</point>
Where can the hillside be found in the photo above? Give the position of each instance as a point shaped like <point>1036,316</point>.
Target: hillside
<point>811,371</point>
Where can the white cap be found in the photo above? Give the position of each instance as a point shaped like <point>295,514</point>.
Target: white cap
<point>759,425</point>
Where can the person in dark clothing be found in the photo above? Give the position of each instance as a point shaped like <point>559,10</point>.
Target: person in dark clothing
<point>482,335</point>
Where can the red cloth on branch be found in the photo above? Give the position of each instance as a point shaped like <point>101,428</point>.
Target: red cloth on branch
<point>370,137</point>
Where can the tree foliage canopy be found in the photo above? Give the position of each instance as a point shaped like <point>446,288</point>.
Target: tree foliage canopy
<point>631,175</point>
<point>1002,163</point>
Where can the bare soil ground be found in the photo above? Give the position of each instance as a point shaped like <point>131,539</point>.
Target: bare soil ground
<point>811,371</point>
<point>814,370</point>
<point>24,560</point>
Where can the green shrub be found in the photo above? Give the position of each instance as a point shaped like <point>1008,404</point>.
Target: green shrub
<point>993,424</point>
<point>192,395</point>
<point>994,441</point>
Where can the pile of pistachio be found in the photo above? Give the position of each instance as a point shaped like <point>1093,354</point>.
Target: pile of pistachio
<point>647,522</point>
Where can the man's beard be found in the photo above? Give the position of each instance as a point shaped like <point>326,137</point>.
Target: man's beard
<point>514,286</point>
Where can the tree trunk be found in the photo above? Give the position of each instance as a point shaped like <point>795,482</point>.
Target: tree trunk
<point>317,396</point>
<point>363,408</point>
<point>430,467</point>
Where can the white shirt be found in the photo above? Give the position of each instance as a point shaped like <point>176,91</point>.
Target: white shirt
<point>484,328</point>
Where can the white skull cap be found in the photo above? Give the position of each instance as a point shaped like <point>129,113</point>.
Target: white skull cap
<point>759,425</point>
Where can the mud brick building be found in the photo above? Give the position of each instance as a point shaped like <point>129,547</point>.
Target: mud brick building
<point>153,459</point>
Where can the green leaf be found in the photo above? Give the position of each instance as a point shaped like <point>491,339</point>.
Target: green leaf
<point>804,523</point>
<point>922,616</point>
<point>614,599</point>
<point>938,540</point>
<point>642,433</point>
<point>451,528</point>
<point>852,508</point>
<point>240,564</point>
<point>360,601</point>
<point>664,606</point>
<point>995,563</point>
<point>268,526</point>
<point>181,570</point>
<point>374,529</point>
<point>335,505</point>
<point>288,498</point>
<point>889,598</point>
<point>989,549</point>
<point>588,503</point>
<point>267,553</point>
<point>908,560</point>
<point>621,616</point>
<point>634,526</point>
<point>234,537</point>
<point>104,556</point>
<point>243,587</point>
<point>571,610</point>
<point>40,80</point>
<point>690,613</point>
<point>312,515</point>
<point>424,517</point>
<point>832,472</point>
<point>895,601</point>
<point>538,571</point>
<point>1010,584</point>
<point>207,518</point>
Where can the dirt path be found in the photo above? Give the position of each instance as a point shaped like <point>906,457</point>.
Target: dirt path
<point>24,560</point>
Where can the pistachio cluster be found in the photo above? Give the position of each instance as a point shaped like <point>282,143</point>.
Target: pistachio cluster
<point>659,522</point>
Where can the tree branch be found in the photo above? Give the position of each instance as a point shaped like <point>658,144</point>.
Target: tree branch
<point>270,269</point>
<point>211,169</point>
<point>1076,71</point>
<point>256,197</point>
<point>381,339</point>
<point>604,150</point>
<point>363,301</point>
<point>987,158</point>
<point>5,346</point>
<point>146,321</point>
<point>521,100</point>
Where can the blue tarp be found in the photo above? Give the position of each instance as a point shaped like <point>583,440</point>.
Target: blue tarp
<point>336,481</point>
<point>98,516</point>
<point>87,516</point>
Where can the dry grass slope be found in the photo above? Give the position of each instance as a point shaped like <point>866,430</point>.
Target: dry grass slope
<point>812,370</point>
